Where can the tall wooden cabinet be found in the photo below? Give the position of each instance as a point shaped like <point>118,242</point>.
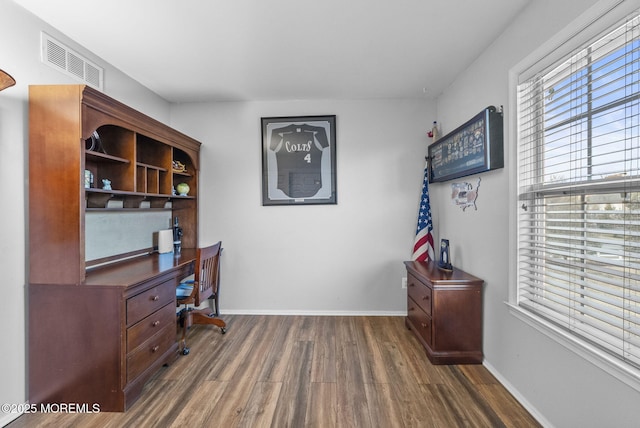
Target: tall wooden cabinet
<point>444,310</point>
<point>99,329</point>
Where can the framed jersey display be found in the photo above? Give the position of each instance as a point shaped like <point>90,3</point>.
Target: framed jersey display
<point>299,160</point>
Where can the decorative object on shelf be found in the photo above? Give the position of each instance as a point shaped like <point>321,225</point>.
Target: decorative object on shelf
<point>183,189</point>
<point>465,195</point>
<point>179,166</point>
<point>445,259</point>
<point>94,143</point>
<point>114,204</point>
<point>106,184</point>
<point>434,134</point>
<point>476,146</point>
<point>299,160</point>
<point>6,80</point>
<point>88,179</point>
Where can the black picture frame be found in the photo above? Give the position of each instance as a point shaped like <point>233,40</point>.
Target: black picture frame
<point>475,146</point>
<point>299,160</point>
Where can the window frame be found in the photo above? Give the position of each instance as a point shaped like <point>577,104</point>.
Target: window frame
<point>606,16</point>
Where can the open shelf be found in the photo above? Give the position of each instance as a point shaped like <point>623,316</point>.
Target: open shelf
<point>104,199</point>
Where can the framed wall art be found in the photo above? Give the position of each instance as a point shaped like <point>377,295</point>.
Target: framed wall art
<point>299,160</point>
<point>476,146</point>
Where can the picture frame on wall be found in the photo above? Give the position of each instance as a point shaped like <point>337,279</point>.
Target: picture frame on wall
<point>299,160</point>
<point>475,146</point>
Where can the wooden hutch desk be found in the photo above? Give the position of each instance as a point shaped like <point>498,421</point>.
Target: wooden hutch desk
<point>98,329</point>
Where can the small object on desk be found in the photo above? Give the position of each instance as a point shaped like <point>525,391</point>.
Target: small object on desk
<point>445,260</point>
<point>177,237</point>
<point>165,241</point>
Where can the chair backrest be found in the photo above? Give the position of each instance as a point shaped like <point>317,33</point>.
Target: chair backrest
<point>207,272</point>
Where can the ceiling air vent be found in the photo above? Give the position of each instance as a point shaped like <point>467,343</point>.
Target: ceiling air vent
<point>66,60</point>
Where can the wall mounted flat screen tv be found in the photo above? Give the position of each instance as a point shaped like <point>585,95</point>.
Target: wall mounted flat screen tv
<point>476,146</point>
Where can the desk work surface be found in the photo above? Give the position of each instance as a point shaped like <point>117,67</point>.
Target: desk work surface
<point>138,269</point>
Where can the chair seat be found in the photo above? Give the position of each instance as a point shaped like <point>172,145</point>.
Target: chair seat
<point>184,289</point>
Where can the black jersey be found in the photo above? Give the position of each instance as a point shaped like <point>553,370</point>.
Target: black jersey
<point>298,150</point>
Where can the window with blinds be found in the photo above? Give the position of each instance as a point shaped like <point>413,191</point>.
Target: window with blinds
<point>579,193</point>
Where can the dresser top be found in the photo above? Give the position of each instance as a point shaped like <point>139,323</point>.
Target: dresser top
<point>432,273</point>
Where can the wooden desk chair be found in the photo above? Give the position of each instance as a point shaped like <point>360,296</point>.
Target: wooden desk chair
<point>203,285</point>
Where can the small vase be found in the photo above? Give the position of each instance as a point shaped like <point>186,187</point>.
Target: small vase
<point>183,189</point>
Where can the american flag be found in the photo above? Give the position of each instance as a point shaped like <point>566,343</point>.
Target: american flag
<point>423,244</point>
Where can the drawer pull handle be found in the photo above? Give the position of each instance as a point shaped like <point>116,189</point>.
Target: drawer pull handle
<point>154,298</point>
<point>424,325</point>
<point>425,298</point>
<point>155,348</point>
<point>156,323</point>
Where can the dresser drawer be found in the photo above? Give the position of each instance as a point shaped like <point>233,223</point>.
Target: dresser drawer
<point>150,325</point>
<point>420,320</point>
<point>420,293</point>
<point>151,350</point>
<point>150,301</point>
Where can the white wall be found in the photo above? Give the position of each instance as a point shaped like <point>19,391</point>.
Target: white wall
<point>20,57</point>
<point>328,259</point>
<point>561,388</point>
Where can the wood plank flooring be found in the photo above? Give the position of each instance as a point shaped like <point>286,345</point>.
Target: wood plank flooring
<point>309,371</point>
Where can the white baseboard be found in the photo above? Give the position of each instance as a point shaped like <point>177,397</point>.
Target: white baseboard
<point>521,399</point>
<point>314,313</point>
<point>6,418</point>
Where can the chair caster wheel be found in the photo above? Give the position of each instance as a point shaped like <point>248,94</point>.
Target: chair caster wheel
<point>185,351</point>
<point>223,330</point>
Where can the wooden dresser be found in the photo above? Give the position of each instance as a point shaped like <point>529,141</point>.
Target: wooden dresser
<point>99,327</point>
<point>444,310</point>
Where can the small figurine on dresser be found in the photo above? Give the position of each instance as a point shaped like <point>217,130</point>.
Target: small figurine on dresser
<point>445,260</point>
<point>106,184</point>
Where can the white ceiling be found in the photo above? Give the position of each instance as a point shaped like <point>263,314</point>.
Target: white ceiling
<point>204,50</point>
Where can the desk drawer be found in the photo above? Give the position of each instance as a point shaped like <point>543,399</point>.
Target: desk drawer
<point>150,326</point>
<point>147,353</point>
<point>420,320</point>
<point>150,301</point>
<point>420,293</point>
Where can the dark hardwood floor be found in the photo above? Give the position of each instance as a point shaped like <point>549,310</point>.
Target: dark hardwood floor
<point>309,371</point>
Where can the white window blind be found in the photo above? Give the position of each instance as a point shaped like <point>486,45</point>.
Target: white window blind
<point>579,193</point>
